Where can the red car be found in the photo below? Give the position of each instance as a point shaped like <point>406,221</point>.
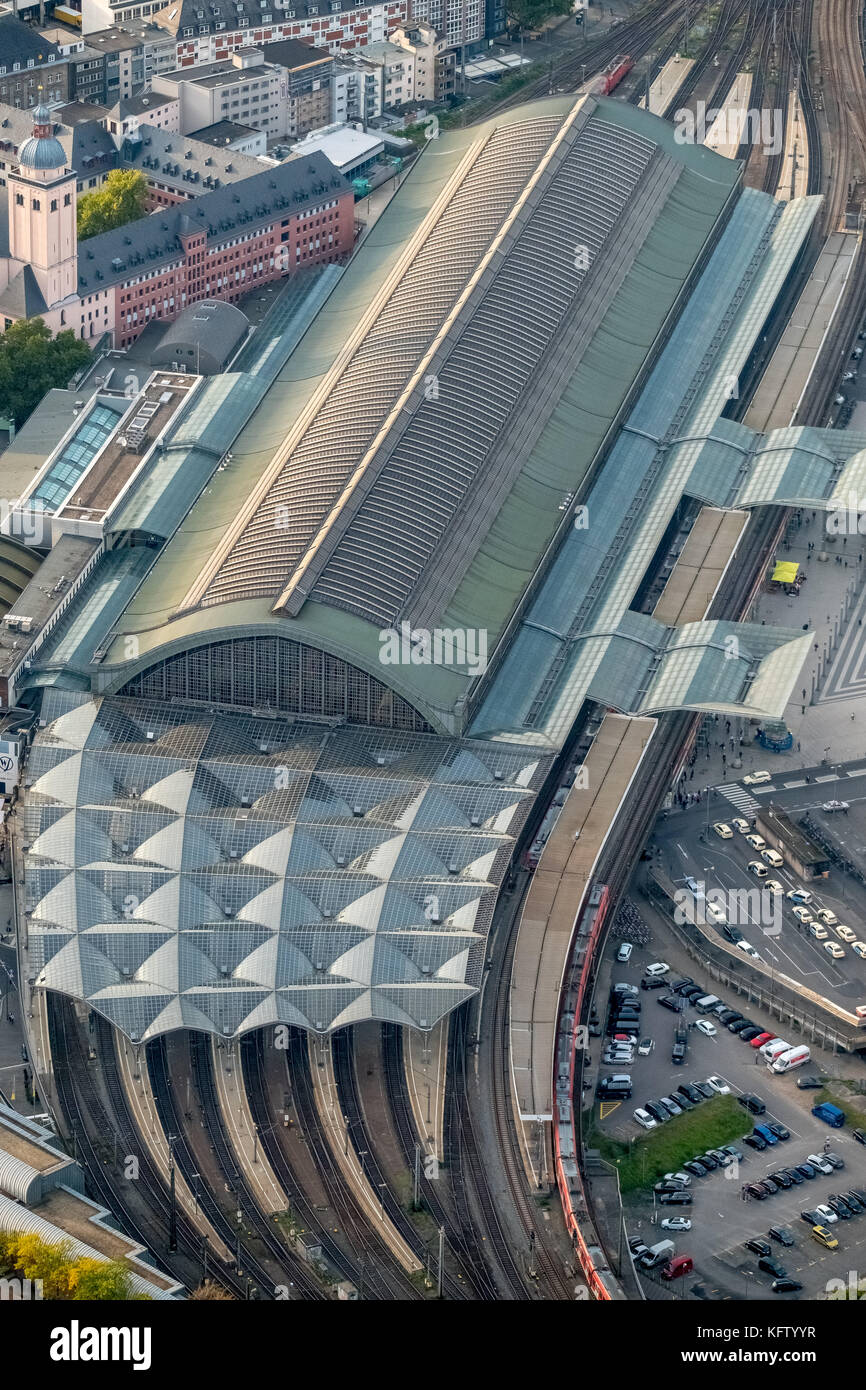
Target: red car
<point>761,1039</point>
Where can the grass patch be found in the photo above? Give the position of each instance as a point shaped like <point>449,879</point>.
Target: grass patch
<point>852,1102</point>
<point>650,1155</point>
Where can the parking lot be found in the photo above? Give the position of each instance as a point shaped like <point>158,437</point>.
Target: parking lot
<point>690,848</point>
<point>722,1220</point>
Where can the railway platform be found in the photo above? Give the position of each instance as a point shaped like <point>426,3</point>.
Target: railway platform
<point>425,1057</point>
<point>242,1133</point>
<point>550,912</point>
<point>703,560</point>
<point>139,1097</point>
<point>337,1134</point>
<point>789,370</point>
<point>665,87</point>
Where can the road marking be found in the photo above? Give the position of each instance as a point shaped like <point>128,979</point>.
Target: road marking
<point>607,1107</point>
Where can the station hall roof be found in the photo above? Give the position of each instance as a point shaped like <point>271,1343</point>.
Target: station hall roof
<point>413,459</point>
<point>191,869</point>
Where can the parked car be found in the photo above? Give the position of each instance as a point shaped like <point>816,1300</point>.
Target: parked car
<point>690,1092</point>
<point>755,1141</point>
<point>819,1161</point>
<point>779,1130</point>
<point>671,1001</point>
<point>827,1214</point>
<point>781,1234</point>
<point>810,1083</point>
<point>840,1206</point>
<point>768,1265</point>
<point>761,1039</point>
<point>845,934</point>
<point>705,1090</point>
<point>772,885</point>
<point>780,1177</point>
<point>859,1135</point>
<point>747,1034</point>
<point>676,1199</point>
<point>656,982</point>
<point>696,1169</point>
<point>827,916</point>
<point>756,841</point>
<point>756,779</point>
<point>834,1160</point>
<point>758,1246</point>
<point>824,1237</point>
<point>755,866</point>
<point>729,1016</point>
<point>753,1189</point>
<point>676,1223</point>
<point>658,1112</point>
<point>719,1085</point>
<point>834,949</point>
<point>806,1170</point>
<point>859,949</point>
<point>856,1203</point>
<point>739,1025</point>
<point>645,1119</point>
<point>704,1026</point>
<point>670,1105</point>
<point>740,825</point>
<point>679,985</point>
<point>723,831</point>
<point>734,1152</point>
<point>645,1047</point>
<point>786,1285</point>
<point>623,955</point>
<point>802,914</point>
<point>657,968</point>
<point>753,1104</point>
<point>799,895</point>
<point>796,1178</point>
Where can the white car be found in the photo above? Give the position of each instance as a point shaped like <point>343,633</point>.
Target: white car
<point>645,1119</point>
<point>704,1026</point>
<point>819,1161</point>
<point>772,857</point>
<point>835,805</point>
<point>834,950</point>
<point>678,1177</point>
<point>676,1223</point>
<point>828,1213</point>
<point>659,968</point>
<point>719,1085</point>
<point>756,841</point>
<point>748,950</point>
<point>802,914</point>
<point>756,779</point>
<point>799,895</point>
<point>757,868</point>
<point>645,1047</point>
<point>827,916</point>
<point>820,933</point>
<point>773,886</point>
<point>740,825</point>
<point>617,1056</point>
<point>845,934</point>
<point>859,949</point>
<point>723,831</point>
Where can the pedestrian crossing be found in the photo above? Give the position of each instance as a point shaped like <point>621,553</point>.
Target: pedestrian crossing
<point>743,800</point>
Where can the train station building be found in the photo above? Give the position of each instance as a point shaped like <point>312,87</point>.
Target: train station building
<point>256,793</point>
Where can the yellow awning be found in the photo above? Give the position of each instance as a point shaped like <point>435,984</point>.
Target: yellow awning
<point>785,572</point>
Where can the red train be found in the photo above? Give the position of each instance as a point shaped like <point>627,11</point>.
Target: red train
<point>614,73</point>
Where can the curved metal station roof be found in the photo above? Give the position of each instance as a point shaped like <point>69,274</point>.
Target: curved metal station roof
<point>186,869</point>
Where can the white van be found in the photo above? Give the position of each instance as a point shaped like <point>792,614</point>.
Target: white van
<point>658,969</point>
<point>773,858</point>
<point>771,1050</point>
<point>786,1061</point>
<point>657,1254</point>
<point>707,1002</point>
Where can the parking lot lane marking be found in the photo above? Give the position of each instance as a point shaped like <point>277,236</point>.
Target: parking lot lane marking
<point>682,851</point>
<point>607,1107</point>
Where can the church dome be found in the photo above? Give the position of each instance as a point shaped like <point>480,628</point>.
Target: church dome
<point>43,150</point>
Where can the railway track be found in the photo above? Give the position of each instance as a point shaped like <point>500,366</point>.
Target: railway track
<point>85,1114</point>
<point>202,1069</point>
<point>363,1142</point>
<point>157,1064</point>
<point>462,1236</point>
<point>380,1272</point>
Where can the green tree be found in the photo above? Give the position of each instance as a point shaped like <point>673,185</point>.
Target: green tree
<point>32,362</point>
<point>531,14</point>
<point>121,199</point>
<point>66,1276</point>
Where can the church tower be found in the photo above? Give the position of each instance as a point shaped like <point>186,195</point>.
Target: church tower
<point>42,196</point>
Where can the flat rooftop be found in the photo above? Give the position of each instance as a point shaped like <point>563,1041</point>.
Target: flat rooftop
<point>29,1152</point>
<point>78,1219</point>
<point>123,454</point>
<point>695,577</point>
<point>47,590</point>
